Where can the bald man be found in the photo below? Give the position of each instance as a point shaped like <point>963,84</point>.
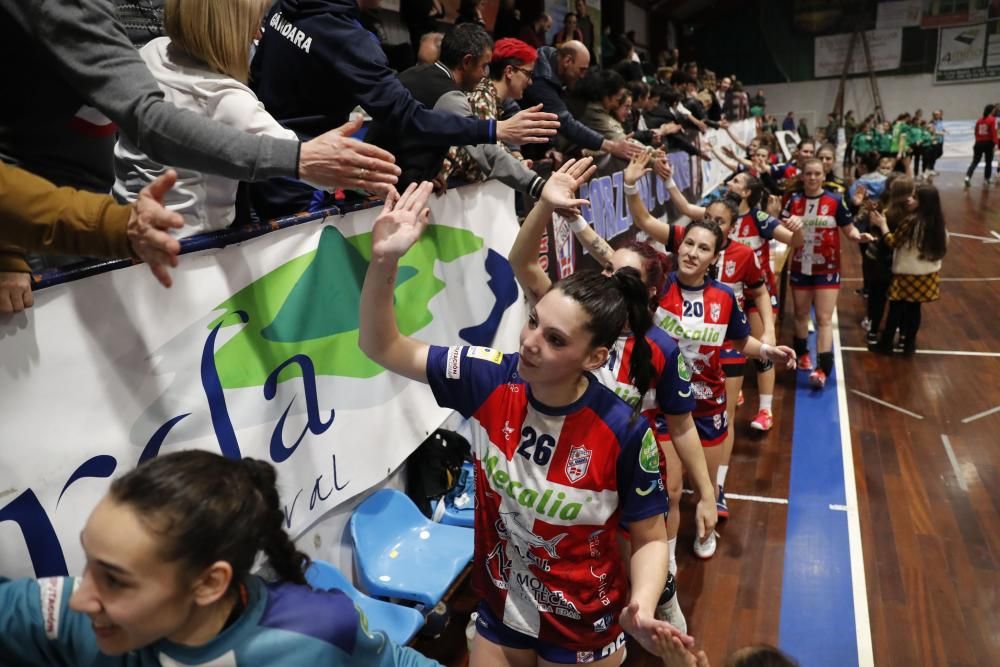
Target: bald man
<point>555,71</point>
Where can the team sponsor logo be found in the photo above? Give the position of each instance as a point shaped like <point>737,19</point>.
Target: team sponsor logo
<point>577,463</point>
<point>699,362</point>
<point>594,543</point>
<point>613,646</point>
<point>762,216</point>
<point>546,599</point>
<point>701,391</point>
<point>50,591</point>
<point>604,623</point>
<point>705,334</point>
<point>603,586</point>
<point>546,503</point>
<point>486,354</point>
<point>715,310</point>
<point>511,529</point>
<point>729,270</point>
<point>628,394</point>
<point>645,492</point>
<point>453,367</point>
<point>649,454</point>
<point>498,567</point>
<point>583,657</point>
<point>683,372</point>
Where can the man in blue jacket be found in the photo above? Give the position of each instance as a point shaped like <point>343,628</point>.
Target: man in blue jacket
<point>315,63</point>
<point>555,71</point>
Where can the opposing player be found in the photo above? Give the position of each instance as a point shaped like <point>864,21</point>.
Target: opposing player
<point>561,461</point>
<point>815,270</point>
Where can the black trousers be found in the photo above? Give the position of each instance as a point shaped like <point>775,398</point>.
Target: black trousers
<point>877,279</point>
<point>905,316</point>
<point>931,155</point>
<point>980,150</point>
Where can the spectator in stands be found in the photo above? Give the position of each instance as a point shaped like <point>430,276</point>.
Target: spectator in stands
<point>201,65</point>
<point>466,52</point>
<point>803,129</point>
<point>758,104</point>
<point>421,17</point>
<point>604,91</point>
<point>831,128</point>
<point>627,65</point>
<point>669,116</point>
<point>169,552</point>
<point>585,25</point>
<point>724,98</point>
<point>509,75</point>
<point>471,11</point>
<point>315,63</point>
<point>569,30</point>
<point>741,102</point>
<point>430,48</point>
<point>690,109</point>
<point>534,33</point>
<point>508,22</point>
<point>39,217</point>
<point>555,71</point>
<point>66,50</point>
<point>788,125</point>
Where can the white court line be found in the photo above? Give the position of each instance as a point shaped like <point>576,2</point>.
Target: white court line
<point>753,499</point>
<point>838,508</point>
<point>953,353</point>
<point>862,622</point>
<point>980,415</point>
<point>986,239</point>
<point>886,404</point>
<point>954,462</point>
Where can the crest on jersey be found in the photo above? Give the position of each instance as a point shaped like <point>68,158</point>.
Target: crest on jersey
<point>730,268</point>
<point>577,463</point>
<point>715,311</point>
<point>823,209</point>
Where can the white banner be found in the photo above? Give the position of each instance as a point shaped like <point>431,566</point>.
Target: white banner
<point>899,14</point>
<point>886,48</point>
<point>252,352</point>
<point>968,53</point>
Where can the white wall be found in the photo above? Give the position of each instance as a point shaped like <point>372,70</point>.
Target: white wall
<point>899,94</point>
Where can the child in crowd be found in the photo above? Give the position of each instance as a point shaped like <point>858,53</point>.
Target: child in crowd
<point>202,66</point>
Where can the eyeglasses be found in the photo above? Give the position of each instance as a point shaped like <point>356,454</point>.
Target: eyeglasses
<point>525,72</point>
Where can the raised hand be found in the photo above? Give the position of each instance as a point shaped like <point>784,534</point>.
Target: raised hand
<point>529,126</point>
<point>637,167</point>
<point>622,148</point>
<point>148,225</point>
<point>673,654</point>
<point>560,190</point>
<point>662,168</point>
<point>401,222</point>
<point>335,160</point>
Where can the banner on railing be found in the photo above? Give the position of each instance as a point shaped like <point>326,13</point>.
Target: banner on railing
<point>253,352</point>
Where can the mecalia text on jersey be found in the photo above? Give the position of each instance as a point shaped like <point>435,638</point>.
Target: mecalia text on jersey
<point>530,498</point>
<point>670,324</point>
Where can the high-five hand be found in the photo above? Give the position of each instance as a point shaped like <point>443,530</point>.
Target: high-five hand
<point>401,222</point>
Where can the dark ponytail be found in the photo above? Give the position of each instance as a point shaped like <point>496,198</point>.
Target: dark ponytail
<point>756,190</point>
<point>208,508</point>
<point>611,301</point>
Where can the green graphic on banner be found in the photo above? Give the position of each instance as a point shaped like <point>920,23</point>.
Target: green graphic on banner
<point>309,305</point>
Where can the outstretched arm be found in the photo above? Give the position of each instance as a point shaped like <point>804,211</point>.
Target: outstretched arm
<point>643,219</point>
<point>396,230</point>
<point>558,193</point>
<point>665,171</point>
<point>781,355</point>
<point>598,248</point>
<point>684,436</point>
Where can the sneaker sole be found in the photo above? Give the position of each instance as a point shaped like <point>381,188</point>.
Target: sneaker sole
<point>754,426</point>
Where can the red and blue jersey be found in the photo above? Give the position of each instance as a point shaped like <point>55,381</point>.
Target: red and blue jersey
<point>701,319</point>
<point>755,228</point>
<point>821,215</point>
<point>552,487</point>
<point>671,387</point>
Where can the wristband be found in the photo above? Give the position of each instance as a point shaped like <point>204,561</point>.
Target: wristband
<point>669,183</point>
<point>578,224</point>
<point>630,189</point>
<point>762,355</point>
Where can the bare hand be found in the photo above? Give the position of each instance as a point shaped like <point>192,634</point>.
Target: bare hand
<point>644,628</point>
<point>728,150</point>
<point>673,654</point>
<point>623,149</point>
<point>859,196</point>
<point>401,222</point>
<point>865,237</point>
<point>335,160</point>
<point>15,292</point>
<point>878,218</point>
<point>774,205</point>
<point>793,223</point>
<point>706,516</point>
<point>636,168</point>
<point>530,126</point>
<point>560,190</point>
<point>148,223</point>
<point>781,355</point>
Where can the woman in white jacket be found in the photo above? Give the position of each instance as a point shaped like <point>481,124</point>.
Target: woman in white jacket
<point>919,243</point>
<point>202,66</point>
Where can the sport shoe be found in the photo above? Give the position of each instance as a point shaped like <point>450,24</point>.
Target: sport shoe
<point>872,338</point>
<point>866,324</point>
<point>763,421</point>
<point>805,362</point>
<point>706,549</point>
<point>669,610</point>
<point>817,379</point>
<point>739,399</point>
<point>720,504</point>
<point>968,183</point>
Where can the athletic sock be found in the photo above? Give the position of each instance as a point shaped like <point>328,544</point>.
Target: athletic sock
<point>672,548</point>
<point>720,476</point>
<point>801,346</point>
<point>826,362</point>
<point>765,401</point>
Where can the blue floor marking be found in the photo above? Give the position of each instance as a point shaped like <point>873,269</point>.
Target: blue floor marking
<point>817,605</point>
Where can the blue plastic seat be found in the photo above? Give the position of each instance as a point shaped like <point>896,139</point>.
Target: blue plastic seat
<point>458,508</point>
<point>399,623</point>
<point>400,553</point>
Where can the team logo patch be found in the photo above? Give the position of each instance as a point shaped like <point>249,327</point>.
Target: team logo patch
<point>453,367</point>
<point>683,372</point>
<point>577,463</point>
<point>823,209</point>
<point>715,311</point>
<point>762,216</point>
<point>649,455</point>
<point>486,354</point>
<point>50,591</point>
<point>603,623</point>
<point>584,657</point>
<point>730,268</point>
